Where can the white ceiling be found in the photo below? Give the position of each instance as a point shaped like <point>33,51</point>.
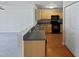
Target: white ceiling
<point>47,4</point>
<point>39,4</point>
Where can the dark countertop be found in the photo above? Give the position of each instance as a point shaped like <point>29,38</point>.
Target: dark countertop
<point>48,21</point>
<point>44,21</point>
<point>36,34</point>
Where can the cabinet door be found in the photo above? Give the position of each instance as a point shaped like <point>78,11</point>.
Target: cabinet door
<point>38,14</point>
<point>48,28</point>
<point>34,48</point>
<point>43,26</point>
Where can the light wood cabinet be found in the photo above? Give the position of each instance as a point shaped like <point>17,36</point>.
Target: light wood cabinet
<point>46,13</point>
<point>47,28</point>
<point>34,48</point>
<point>61,28</point>
<point>38,14</point>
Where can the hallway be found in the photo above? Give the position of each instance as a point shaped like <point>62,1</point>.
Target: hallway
<point>55,47</point>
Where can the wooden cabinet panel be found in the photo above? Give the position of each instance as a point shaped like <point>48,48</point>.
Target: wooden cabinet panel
<point>46,13</point>
<point>43,14</point>
<point>47,28</point>
<point>38,14</point>
<point>34,48</point>
<point>61,28</point>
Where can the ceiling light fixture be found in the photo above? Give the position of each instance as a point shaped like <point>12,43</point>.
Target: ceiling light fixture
<point>51,6</point>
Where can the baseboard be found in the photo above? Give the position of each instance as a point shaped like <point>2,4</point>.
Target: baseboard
<point>69,50</point>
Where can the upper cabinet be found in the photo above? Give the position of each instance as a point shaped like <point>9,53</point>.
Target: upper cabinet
<point>47,13</point>
<point>38,14</point>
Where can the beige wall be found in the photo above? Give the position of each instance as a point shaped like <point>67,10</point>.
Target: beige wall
<point>46,13</point>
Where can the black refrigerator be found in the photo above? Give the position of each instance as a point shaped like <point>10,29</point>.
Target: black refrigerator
<point>55,24</point>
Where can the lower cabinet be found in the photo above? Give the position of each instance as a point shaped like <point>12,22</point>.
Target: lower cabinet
<point>34,48</point>
<point>47,28</point>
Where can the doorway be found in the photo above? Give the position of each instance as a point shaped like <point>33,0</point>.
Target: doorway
<point>54,47</point>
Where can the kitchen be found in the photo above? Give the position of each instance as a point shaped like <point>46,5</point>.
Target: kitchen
<point>26,29</point>
<point>35,41</point>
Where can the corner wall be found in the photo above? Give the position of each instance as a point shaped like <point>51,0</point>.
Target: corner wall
<point>16,18</point>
